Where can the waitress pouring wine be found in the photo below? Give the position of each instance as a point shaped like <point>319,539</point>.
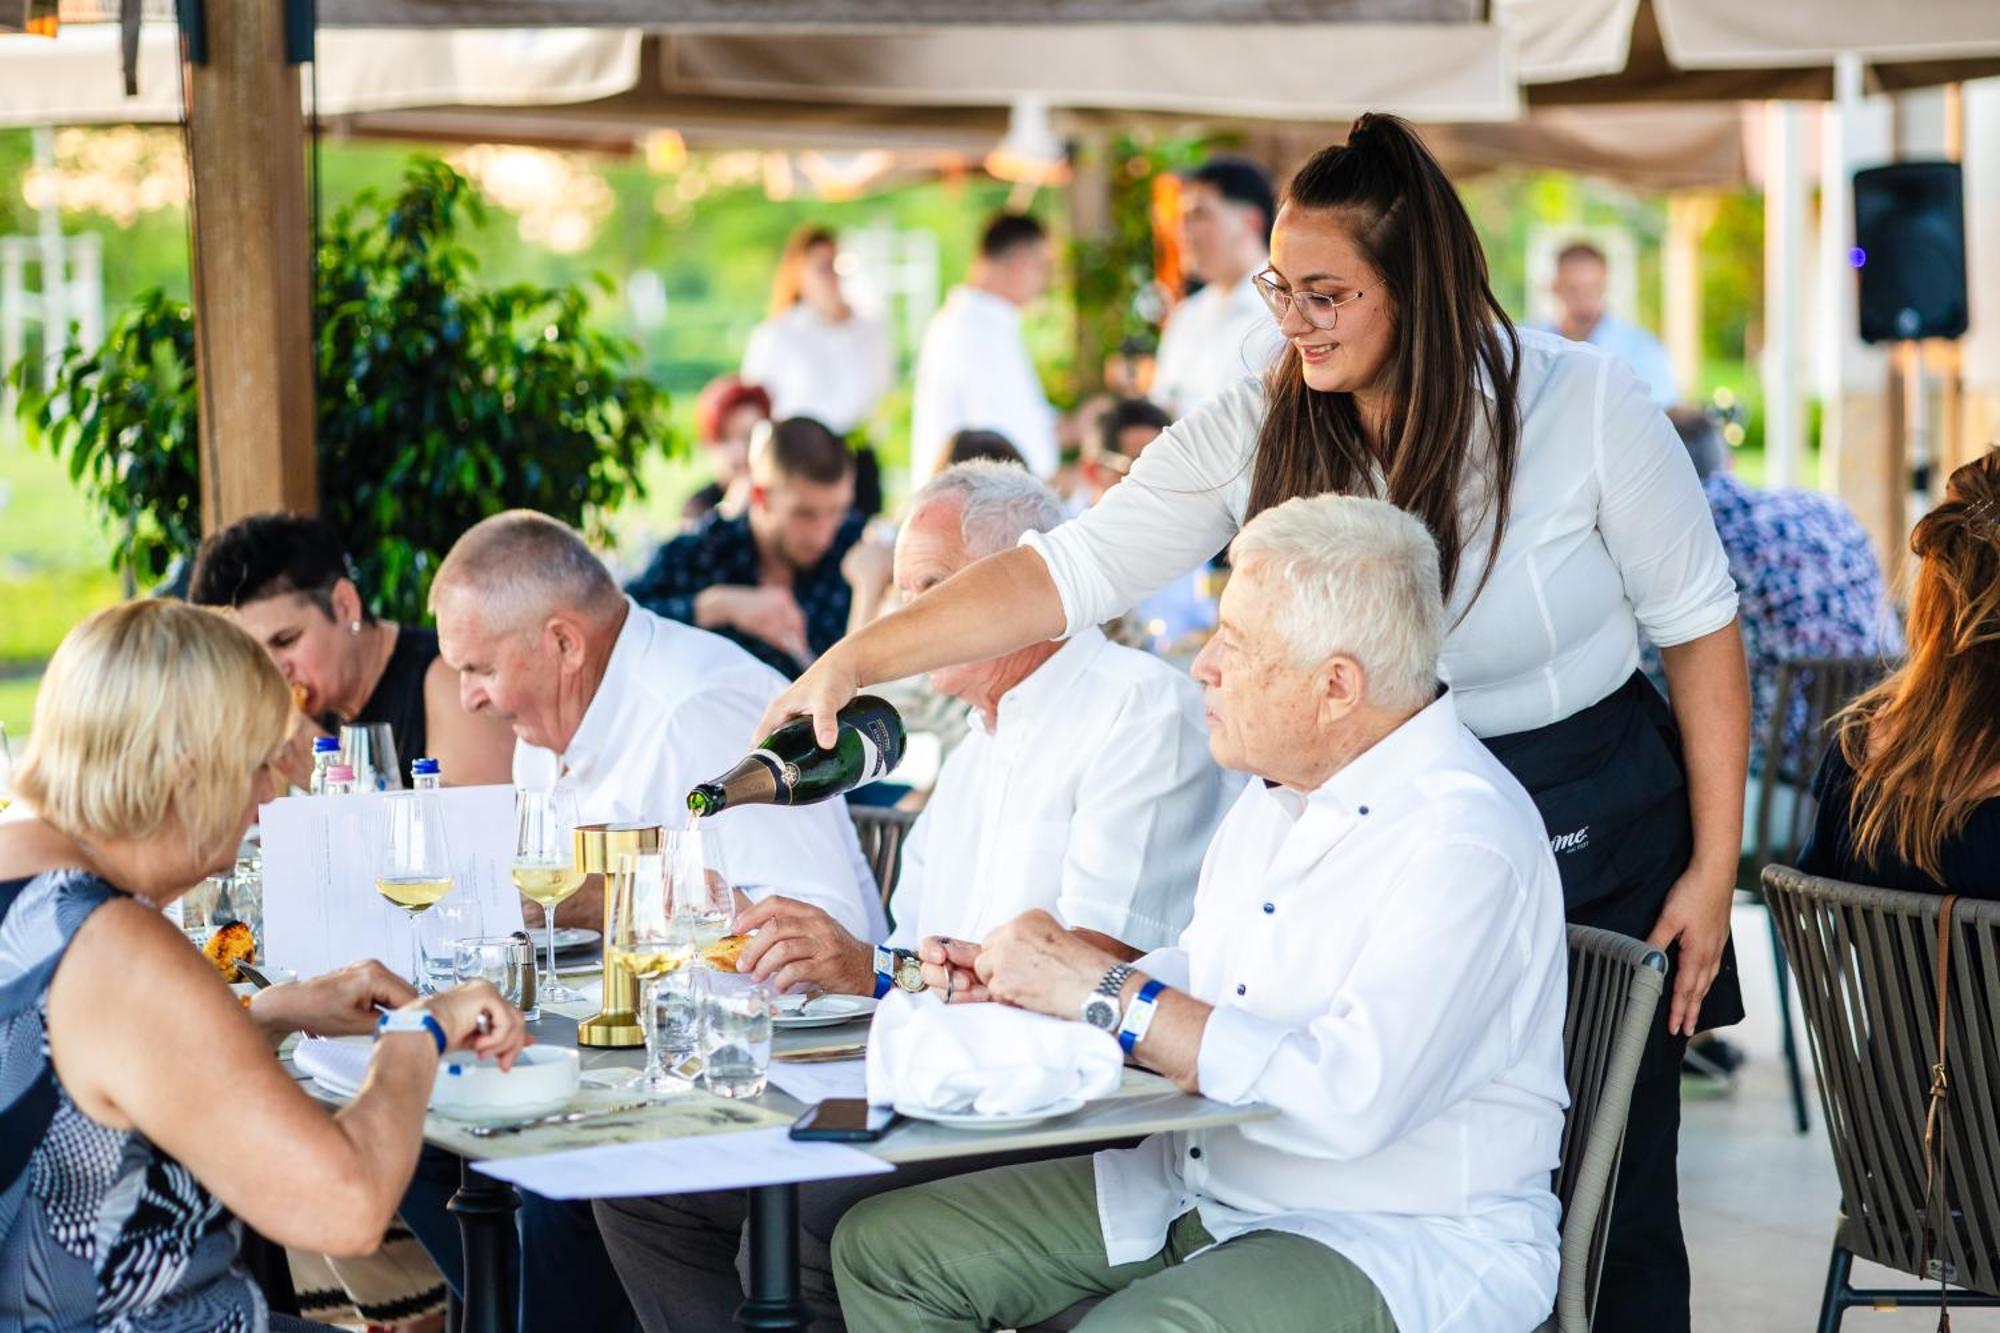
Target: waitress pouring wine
<point>1568,518</point>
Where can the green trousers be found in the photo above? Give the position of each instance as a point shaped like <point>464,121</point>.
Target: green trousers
<point>1010,1247</point>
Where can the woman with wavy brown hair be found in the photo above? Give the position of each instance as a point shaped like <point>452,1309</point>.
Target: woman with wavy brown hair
<point>1568,520</point>
<point>1909,795</point>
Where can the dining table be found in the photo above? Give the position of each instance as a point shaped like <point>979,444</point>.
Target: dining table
<point>1144,1104</point>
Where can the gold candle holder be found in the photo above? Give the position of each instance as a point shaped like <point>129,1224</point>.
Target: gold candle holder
<point>598,847</point>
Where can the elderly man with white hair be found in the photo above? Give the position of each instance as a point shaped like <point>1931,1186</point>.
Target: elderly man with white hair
<point>1377,952</point>
<point>1084,788</point>
<point>628,708</point>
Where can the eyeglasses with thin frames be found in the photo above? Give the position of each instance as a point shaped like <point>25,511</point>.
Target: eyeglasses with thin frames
<point>1316,308</point>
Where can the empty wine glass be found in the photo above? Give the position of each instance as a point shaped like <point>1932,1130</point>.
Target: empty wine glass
<point>412,862</point>
<point>545,869</point>
<point>651,943</point>
<point>702,901</point>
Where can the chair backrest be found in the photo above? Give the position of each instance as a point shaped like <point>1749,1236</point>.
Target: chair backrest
<point>1614,992</point>
<point>882,832</point>
<point>1866,962</point>
<point>1806,695</point>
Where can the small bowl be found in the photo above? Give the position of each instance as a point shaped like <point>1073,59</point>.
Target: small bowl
<point>542,1081</point>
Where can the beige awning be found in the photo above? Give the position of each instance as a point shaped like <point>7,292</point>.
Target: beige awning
<point>74,79</point>
<point>798,16</point>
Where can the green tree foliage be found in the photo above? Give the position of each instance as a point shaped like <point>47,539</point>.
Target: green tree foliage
<point>439,401</point>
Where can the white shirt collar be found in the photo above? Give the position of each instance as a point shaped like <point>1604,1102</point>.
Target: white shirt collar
<point>598,732</point>
<point>979,301</point>
<point>1048,682</point>
<point>1376,779</point>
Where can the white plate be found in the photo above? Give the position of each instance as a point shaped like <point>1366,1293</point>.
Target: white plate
<point>825,1011</point>
<point>974,1121</point>
<point>568,938</point>
<point>543,1079</point>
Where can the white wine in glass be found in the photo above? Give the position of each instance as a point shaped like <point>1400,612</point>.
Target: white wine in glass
<point>412,861</point>
<point>646,938</point>
<point>545,870</point>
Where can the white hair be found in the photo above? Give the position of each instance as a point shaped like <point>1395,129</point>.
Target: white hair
<point>1356,577</point>
<point>522,566</point>
<point>1001,501</point>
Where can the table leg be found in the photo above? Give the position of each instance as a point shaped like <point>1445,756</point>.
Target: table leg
<point>485,1211</point>
<point>774,1302</point>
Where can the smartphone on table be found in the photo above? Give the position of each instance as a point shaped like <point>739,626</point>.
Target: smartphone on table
<point>843,1120</point>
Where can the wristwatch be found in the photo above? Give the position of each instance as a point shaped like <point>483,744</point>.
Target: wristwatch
<point>899,968</point>
<point>1100,1007</point>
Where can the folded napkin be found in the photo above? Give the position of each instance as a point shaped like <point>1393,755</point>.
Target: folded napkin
<point>338,1064</point>
<point>985,1058</point>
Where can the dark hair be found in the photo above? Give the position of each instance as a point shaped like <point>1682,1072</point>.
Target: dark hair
<point>1127,413</point>
<point>988,444</point>
<point>804,450</point>
<point>1006,231</point>
<point>718,401</point>
<point>785,283</point>
<point>1453,342</point>
<point>1240,181</point>
<point>266,555</point>
<point>1581,250</point>
<point>1703,439</point>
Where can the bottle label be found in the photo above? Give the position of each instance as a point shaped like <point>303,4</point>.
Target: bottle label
<point>874,742</point>
<point>786,773</point>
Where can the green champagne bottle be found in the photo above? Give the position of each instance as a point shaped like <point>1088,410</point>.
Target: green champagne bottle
<point>789,768</point>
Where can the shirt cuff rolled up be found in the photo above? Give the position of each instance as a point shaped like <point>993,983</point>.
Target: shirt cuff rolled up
<point>1236,1047</point>
<point>1065,572</point>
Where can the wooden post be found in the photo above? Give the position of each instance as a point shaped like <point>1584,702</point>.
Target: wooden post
<point>252,269</point>
<point>1689,216</point>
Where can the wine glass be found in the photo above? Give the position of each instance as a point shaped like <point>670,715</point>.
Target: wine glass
<point>545,869</point>
<point>702,901</point>
<point>649,943</point>
<point>6,769</point>
<point>412,862</point>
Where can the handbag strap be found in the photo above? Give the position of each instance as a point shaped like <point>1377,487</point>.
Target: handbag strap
<point>1936,1209</point>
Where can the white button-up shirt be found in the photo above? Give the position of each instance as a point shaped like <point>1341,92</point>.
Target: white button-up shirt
<point>1608,533</point>
<point>1645,354</point>
<point>1212,340</point>
<point>1388,966</point>
<point>676,707</point>
<point>1093,799</point>
<point>833,373</point>
<point>973,373</point>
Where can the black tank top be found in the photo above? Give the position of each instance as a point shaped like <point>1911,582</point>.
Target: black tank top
<point>399,696</point>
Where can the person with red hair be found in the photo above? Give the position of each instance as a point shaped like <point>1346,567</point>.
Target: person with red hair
<point>725,414</point>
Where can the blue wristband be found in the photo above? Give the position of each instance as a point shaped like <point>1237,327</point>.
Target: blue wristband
<point>884,977</point>
<point>1139,1017</point>
<point>411,1020</point>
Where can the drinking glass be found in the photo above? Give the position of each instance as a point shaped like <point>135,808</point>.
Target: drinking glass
<point>412,862</point>
<point>503,960</point>
<point>736,1014</point>
<point>544,867</point>
<point>702,903</point>
<point>458,917</point>
<point>650,942</point>
<point>6,769</point>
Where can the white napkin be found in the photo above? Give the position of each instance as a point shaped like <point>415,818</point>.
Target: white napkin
<point>985,1058</point>
<point>338,1064</point>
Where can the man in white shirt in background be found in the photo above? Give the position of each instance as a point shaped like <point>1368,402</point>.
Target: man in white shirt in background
<point>973,370</point>
<point>1084,788</point>
<point>1377,952</point>
<point>1582,276</point>
<point>628,709</point>
<point>1224,331</point>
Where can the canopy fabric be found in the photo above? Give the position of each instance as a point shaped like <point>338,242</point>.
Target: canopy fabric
<point>74,78</point>
<point>800,15</point>
<point>1735,34</point>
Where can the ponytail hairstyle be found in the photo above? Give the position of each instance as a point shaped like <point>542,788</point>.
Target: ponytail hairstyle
<point>1451,336</point>
<point>785,284</point>
<point>1924,743</point>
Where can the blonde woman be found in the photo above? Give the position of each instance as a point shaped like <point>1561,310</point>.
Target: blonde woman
<point>145,1109</point>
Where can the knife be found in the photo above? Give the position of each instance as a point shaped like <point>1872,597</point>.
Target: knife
<point>822,1054</point>
<point>560,1118</point>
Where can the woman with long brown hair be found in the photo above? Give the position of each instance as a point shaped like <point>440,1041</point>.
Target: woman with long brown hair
<point>815,354</point>
<point>1568,518</point>
<point>1909,795</point>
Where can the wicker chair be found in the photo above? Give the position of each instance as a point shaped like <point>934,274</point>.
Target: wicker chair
<point>1866,963</point>
<point>1614,993</point>
<point>882,831</point>
<point>1820,687</point>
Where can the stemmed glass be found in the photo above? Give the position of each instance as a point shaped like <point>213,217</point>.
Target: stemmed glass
<point>412,862</point>
<point>703,904</point>
<point>649,941</point>
<point>6,769</point>
<point>545,869</point>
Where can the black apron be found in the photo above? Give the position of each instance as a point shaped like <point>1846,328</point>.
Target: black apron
<point>1611,783</point>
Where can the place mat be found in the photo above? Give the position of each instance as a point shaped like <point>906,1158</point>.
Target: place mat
<point>686,1113</point>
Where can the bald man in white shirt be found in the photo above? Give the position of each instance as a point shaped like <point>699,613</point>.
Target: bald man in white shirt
<point>1377,952</point>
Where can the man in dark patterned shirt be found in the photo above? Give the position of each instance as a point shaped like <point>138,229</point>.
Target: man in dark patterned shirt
<point>769,579</point>
<point>1806,575</point>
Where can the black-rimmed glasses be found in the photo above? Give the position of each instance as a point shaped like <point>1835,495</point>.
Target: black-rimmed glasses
<point>1316,308</point>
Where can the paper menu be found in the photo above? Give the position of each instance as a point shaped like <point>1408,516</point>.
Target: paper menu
<point>321,910</point>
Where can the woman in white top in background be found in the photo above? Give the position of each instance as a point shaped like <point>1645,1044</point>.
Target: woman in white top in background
<point>1567,518</point>
<point>815,355</point>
